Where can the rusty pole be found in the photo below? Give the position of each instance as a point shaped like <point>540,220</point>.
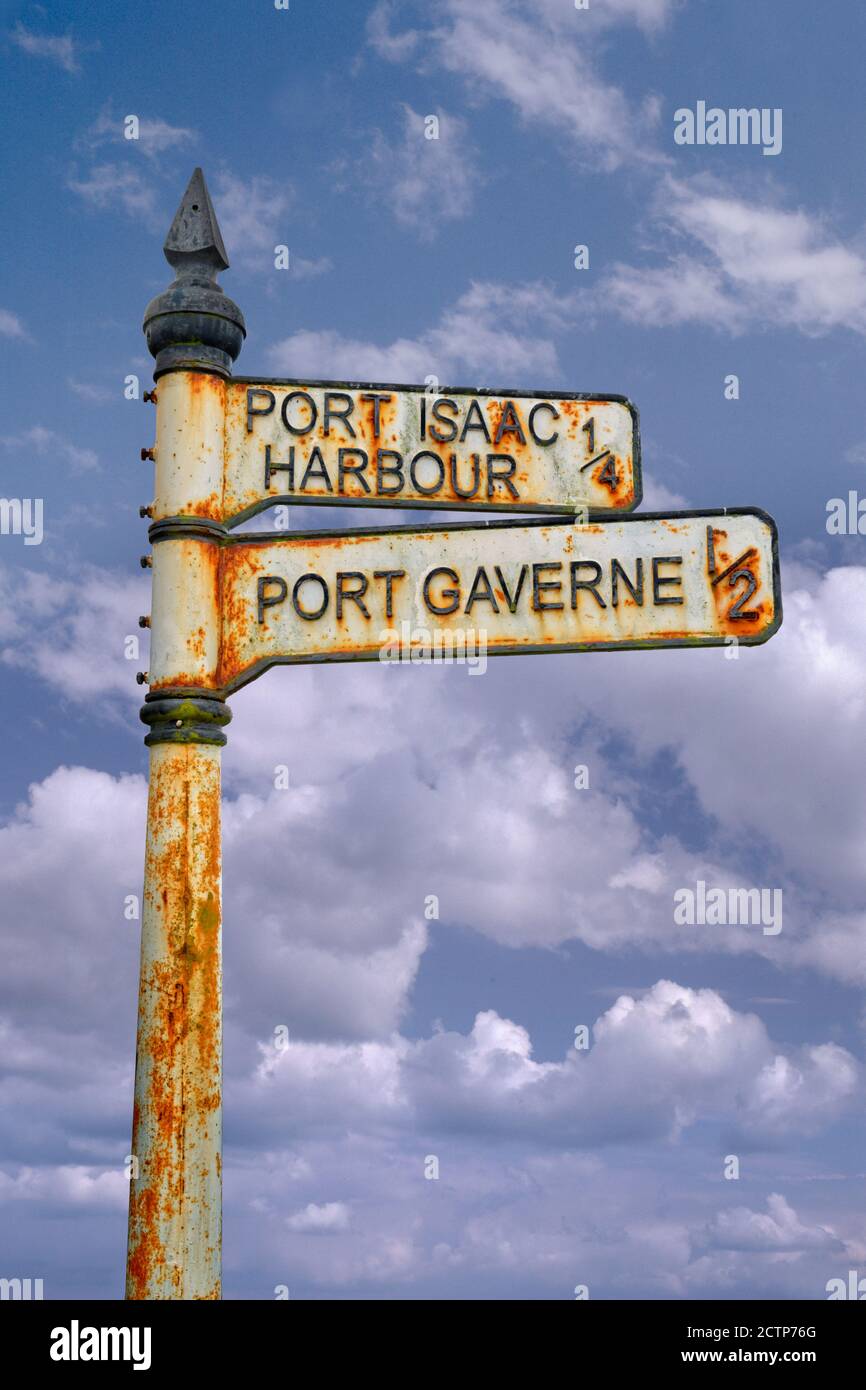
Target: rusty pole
<point>175,1208</point>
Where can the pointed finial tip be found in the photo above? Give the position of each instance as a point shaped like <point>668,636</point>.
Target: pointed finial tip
<point>193,325</point>
<point>194,234</point>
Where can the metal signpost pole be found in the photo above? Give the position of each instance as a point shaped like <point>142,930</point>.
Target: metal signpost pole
<point>175,1209</point>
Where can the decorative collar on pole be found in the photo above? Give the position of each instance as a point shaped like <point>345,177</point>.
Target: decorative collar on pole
<point>192,326</point>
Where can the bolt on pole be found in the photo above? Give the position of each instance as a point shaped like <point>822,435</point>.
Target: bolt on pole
<point>194,332</point>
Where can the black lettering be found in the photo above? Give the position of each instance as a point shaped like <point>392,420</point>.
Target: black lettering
<point>659,579</point>
<point>357,469</point>
<point>377,397</point>
<point>266,600</point>
<point>608,474</point>
<point>251,411</point>
<point>509,423</point>
<point>389,576</point>
<point>330,411</point>
<point>590,584</point>
<point>476,476</point>
<point>538,584</point>
<point>452,595</point>
<point>512,602</point>
<point>316,471</point>
<point>438,407</point>
<point>735,612</point>
<point>272,467</point>
<point>314,412</point>
<point>481,591</point>
<point>382,468</point>
<point>470,423</point>
<point>617,572</point>
<point>356,595</point>
<point>494,477</point>
<point>543,405</point>
<point>436,487</point>
<point>302,612</point>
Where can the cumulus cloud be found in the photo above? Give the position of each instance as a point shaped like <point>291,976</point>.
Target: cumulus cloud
<point>80,640</point>
<point>330,1216</point>
<point>66,1186</point>
<point>502,770</point>
<point>322,969</point>
<point>656,1066</point>
<point>775,1231</point>
<point>330,1125</point>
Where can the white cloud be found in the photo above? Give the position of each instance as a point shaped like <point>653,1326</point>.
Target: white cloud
<point>251,216</point>
<point>49,444</point>
<point>801,1092</point>
<point>253,220</point>
<point>11,325</point>
<point>503,765</point>
<point>657,1066</point>
<point>66,1185</point>
<point>331,1135</point>
<point>330,1216</point>
<point>776,1231</point>
<point>487,331</point>
<point>73,634</point>
<point>62,49</point>
<point>155,135</point>
<point>88,391</point>
<point>110,185</point>
<point>658,498</point>
<point>546,63</point>
<point>735,264</point>
<point>649,14</point>
<point>338,970</point>
<point>425,181</point>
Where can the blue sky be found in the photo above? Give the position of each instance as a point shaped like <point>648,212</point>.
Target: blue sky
<point>453,1037</point>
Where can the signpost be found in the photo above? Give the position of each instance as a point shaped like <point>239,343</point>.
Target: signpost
<point>409,446</point>
<point>228,604</point>
<point>692,579</point>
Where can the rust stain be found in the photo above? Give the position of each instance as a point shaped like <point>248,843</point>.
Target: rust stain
<point>542,475</point>
<point>554,617</point>
<point>179,1045</point>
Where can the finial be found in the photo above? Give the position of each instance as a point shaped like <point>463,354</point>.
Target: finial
<point>195,231</point>
<point>193,326</point>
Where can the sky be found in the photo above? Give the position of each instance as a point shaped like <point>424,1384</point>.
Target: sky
<point>608,1167</point>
